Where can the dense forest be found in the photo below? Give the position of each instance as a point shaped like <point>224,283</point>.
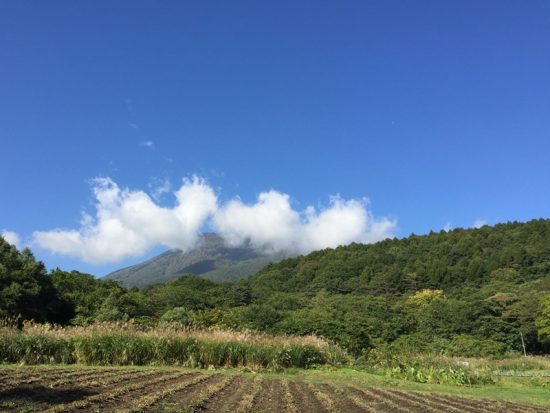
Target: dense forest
<point>469,292</point>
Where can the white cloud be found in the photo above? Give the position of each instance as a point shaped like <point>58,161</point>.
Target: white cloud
<point>448,226</point>
<point>148,144</point>
<point>159,187</point>
<point>128,223</point>
<point>272,224</point>
<point>478,223</point>
<point>11,237</point>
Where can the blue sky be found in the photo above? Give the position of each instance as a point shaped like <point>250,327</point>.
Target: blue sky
<point>437,112</point>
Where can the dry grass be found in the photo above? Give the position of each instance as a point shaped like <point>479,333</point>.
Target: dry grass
<point>165,330</point>
<point>125,343</point>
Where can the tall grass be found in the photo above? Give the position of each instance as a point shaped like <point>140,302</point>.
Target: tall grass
<point>128,344</point>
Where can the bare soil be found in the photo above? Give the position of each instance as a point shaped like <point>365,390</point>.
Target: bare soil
<point>56,390</point>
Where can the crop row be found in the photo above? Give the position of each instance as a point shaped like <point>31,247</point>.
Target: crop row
<point>128,390</point>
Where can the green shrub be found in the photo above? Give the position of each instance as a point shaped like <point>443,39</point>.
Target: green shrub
<point>420,368</point>
<point>468,346</point>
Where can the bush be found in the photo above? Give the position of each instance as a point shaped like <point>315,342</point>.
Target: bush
<point>422,369</point>
<point>468,346</point>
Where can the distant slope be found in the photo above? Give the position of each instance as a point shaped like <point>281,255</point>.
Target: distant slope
<point>212,259</point>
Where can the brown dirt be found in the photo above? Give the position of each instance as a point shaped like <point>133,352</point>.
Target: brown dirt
<point>125,393</point>
<point>405,401</point>
<point>341,402</point>
<point>28,376</point>
<point>372,401</point>
<point>228,400</point>
<point>128,390</point>
<point>478,405</point>
<point>115,394</point>
<point>183,399</point>
<point>433,403</point>
<point>306,401</point>
<point>270,398</point>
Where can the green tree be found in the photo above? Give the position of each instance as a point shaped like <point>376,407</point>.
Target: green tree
<point>26,290</point>
<point>84,292</point>
<point>543,320</point>
<point>123,306</point>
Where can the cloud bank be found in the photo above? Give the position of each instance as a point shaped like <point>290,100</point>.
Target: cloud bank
<point>127,223</point>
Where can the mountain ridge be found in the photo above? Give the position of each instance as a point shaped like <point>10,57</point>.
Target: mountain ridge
<point>212,258</point>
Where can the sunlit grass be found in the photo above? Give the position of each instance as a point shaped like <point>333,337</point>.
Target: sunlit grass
<point>168,344</point>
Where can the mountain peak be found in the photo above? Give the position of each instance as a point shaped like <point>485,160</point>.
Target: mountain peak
<point>212,258</point>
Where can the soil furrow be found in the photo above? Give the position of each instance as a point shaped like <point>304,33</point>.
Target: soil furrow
<point>111,395</point>
<point>197,400</point>
<point>247,402</point>
<point>228,399</point>
<point>42,393</point>
<point>379,404</point>
<point>155,394</point>
<point>23,372</point>
<point>367,406</point>
<point>128,376</point>
<point>270,397</point>
<point>436,404</point>
<point>289,398</point>
<point>185,398</point>
<point>78,380</point>
<point>464,403</point>
<point>408,402</point>
<point>306,401</point>
<point>37,376</point>
<point>341,402</point>
<point>41,397</point>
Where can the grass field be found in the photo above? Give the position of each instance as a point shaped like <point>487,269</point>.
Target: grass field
<point>147,389</point>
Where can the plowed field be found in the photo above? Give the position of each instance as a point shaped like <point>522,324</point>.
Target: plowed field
<point>129,390</point>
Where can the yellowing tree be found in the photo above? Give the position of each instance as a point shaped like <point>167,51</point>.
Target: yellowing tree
<point>424,297</point>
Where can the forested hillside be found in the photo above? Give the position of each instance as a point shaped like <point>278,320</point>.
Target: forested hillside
<point>456,291</point>
<point>514,252</point>
<point>472,292</point>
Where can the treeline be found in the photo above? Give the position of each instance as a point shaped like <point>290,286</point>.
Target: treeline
<point>474,292</point>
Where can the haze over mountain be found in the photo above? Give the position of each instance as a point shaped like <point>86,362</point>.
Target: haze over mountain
<point>212,259</point>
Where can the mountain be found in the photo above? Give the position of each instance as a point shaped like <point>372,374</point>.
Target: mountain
<point>212,259</point>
